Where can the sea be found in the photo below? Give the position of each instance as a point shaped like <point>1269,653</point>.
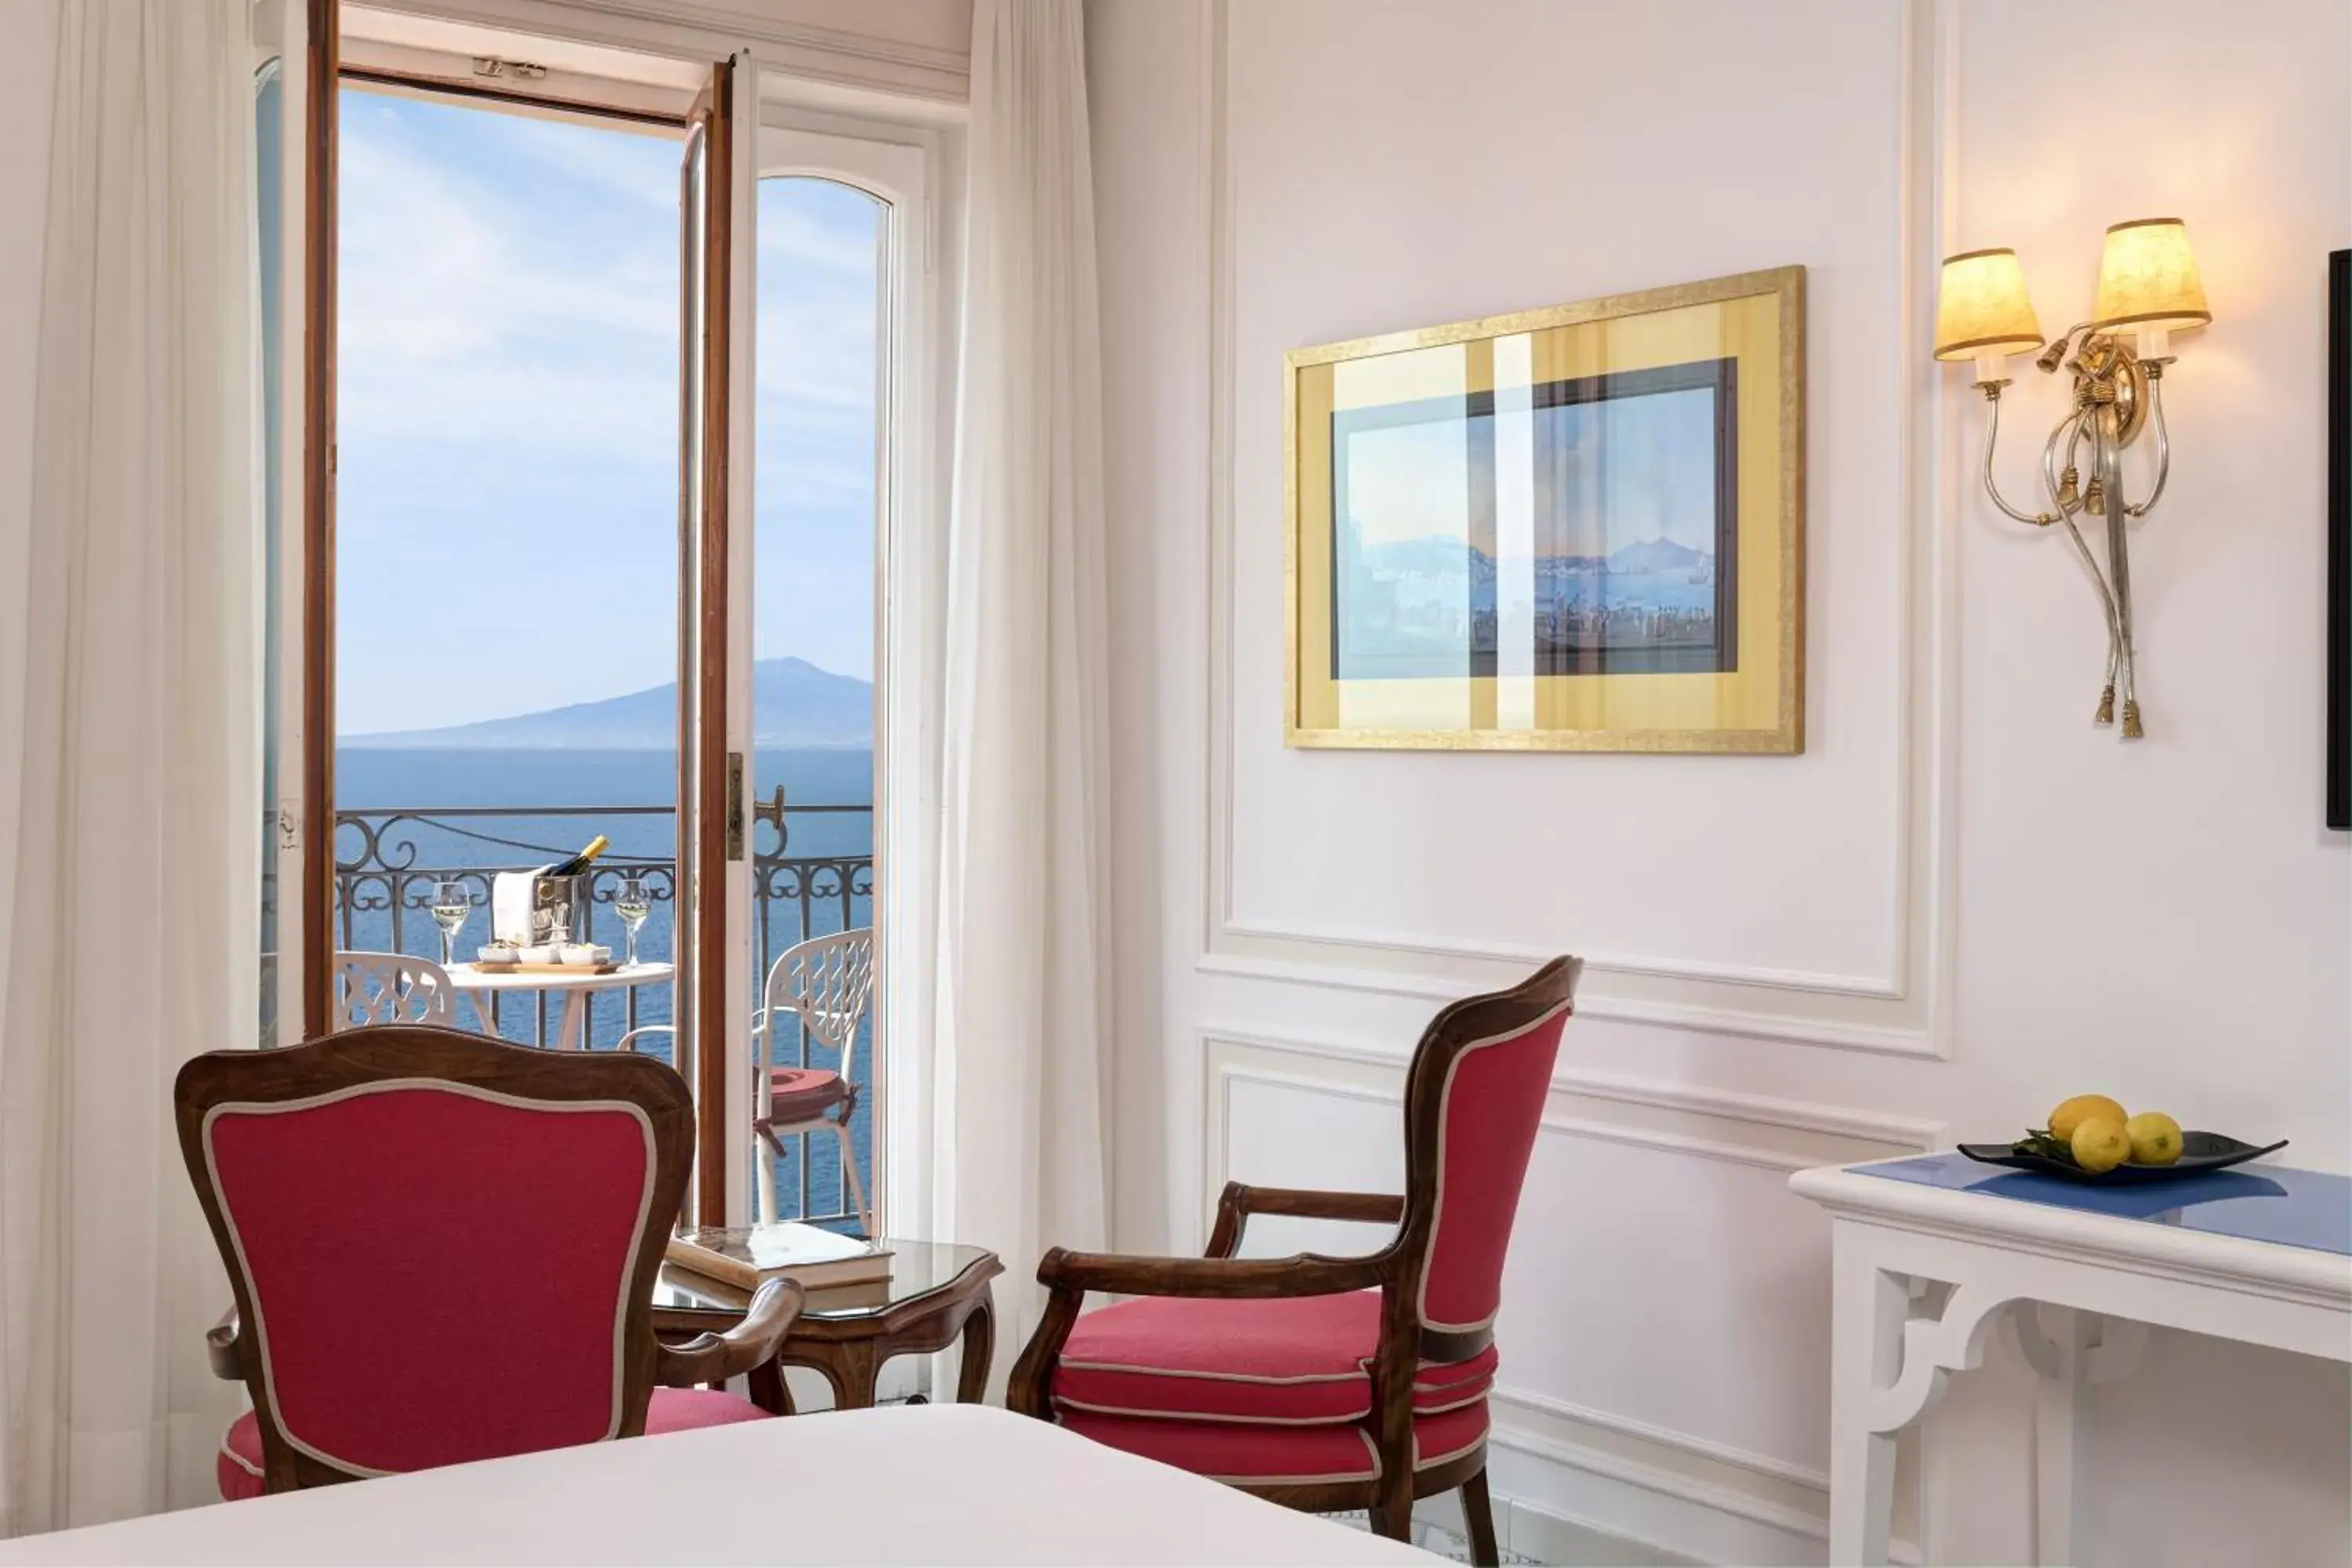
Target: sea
<point>408,814</point>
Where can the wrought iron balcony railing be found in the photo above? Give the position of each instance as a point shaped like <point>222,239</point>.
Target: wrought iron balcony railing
<point>387,860</point>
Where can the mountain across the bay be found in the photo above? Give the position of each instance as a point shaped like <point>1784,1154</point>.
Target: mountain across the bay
<point>794,704</point>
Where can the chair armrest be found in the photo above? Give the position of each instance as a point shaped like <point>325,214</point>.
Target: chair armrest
<point>715,1358</point>
<point>1240,1200</point>
<point>1229,1279</point>
<point>628,1042</point>
<point>225,1348</point>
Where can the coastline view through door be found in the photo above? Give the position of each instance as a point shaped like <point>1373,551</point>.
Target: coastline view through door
<point>507,564</point>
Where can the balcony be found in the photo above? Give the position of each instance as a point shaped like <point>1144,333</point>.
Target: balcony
<point>388,858</point>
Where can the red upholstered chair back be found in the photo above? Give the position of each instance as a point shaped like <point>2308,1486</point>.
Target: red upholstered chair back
<point>442,1247</point>
<point>1474,1100</point>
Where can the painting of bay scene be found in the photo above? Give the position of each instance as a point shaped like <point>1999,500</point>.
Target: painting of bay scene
<point>1575,527</point>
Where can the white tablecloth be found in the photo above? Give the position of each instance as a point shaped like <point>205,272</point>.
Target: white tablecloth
<point>919,1484</point>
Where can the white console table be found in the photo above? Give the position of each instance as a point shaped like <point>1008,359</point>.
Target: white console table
<point>2261,1253</point>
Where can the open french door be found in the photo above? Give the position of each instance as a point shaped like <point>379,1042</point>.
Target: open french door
<point>307,863</point>
<point>719,171</point>
<point>718,168</point>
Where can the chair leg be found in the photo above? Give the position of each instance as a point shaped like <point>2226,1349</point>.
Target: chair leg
<point>763,1161</point>
<point>856,1181</point>
<point>1392,1514</point>
<point>1480,1515</point>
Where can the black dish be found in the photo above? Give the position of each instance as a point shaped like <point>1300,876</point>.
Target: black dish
<point>2200,1153</point>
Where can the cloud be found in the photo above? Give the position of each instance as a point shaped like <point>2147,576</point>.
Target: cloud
<point>509,409</point>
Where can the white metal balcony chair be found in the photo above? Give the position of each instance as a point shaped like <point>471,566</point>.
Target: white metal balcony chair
<point>392,988</point>
<point>827,983</point>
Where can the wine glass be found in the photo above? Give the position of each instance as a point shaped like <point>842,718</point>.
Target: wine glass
<point>632,904</point>
<point>450,907</point>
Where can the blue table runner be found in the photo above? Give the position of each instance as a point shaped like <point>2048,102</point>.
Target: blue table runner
<point>2276,1203</point>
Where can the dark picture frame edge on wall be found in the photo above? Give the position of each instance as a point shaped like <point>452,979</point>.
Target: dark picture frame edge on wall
<point>2339,540</point>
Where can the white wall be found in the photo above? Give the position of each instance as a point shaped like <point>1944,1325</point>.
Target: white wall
<point>1959,905</point>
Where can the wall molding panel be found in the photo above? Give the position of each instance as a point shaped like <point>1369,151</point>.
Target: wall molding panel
<point>1903,1011</point>
<point>1602,1421</point>
<point>1776,1135</point>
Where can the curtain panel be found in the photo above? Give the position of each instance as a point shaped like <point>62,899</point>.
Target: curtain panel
<point>129,720</point>
<point>1024,966</point>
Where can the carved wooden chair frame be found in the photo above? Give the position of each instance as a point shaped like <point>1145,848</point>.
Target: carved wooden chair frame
<point>394,1051</point>
<point>1395,1269</point>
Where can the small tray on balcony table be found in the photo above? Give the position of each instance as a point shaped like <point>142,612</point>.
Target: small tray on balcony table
<point>609,966</point>
<point>2200,1153</point>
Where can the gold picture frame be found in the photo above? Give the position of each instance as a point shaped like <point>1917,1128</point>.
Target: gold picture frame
<point>1492,589</point>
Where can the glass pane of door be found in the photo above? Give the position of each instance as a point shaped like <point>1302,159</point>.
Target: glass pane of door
<point>507,557</point>
<point>823,288</point>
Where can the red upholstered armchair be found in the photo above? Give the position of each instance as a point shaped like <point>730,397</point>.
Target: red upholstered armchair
<point>443,1248</point>
<point>1328,1383</point>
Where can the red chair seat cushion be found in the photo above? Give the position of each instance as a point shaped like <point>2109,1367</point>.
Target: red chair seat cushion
<point>238,1464</point>
<point>1257,1454</point>
<point>1298,1361</point>
<point>239,1469</point>
<point>802,1094</point>
<point>687,1409</point>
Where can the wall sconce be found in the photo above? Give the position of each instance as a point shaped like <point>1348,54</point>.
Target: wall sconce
<point>2148,285</point>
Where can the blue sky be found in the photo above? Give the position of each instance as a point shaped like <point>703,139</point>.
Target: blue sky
<point>1629,463</point>
<point>507,493</point>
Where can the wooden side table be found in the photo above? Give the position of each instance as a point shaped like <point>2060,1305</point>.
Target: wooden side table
<point>937,1293</point>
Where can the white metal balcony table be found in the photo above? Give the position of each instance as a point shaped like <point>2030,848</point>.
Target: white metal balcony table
<point>473,982</point>
<point>2261,1254</point>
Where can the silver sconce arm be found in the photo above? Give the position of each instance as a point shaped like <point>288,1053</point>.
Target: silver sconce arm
<point>2115,393</point>
<point>2163,442</point>
<point>1992,489</point>
<point>2067,435</point>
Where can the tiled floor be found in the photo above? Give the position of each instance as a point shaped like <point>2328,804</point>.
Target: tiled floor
<point>1431,1538</point>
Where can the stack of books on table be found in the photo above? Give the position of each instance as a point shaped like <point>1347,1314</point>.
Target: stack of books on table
<point>837,1271</point>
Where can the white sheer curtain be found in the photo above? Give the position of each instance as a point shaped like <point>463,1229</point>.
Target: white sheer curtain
<point>1023,1010</point>
<point>129,717</point>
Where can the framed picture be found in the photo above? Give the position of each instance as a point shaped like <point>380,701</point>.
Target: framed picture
<point>1573,529</point>
<point>2339,540</point>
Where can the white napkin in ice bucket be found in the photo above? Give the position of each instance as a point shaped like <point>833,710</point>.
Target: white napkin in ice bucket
<point>510,902</point>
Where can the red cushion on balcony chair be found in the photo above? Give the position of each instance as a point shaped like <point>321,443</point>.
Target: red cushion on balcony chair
<point>1262,1455</point>
<point>802,1094</point>
<point>1294,1360</point>
<point>672,1410</point>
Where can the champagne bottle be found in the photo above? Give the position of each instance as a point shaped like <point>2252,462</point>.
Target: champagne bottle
<point>580,862</point>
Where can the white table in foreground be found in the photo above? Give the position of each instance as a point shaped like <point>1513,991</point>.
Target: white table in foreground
<point>909,1484</point>
<point>2257,1254</point>
<point>473,982</point>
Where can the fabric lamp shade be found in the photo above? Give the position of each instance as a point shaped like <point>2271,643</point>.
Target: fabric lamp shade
<point>2148,279</point>
<point>1982,308</point>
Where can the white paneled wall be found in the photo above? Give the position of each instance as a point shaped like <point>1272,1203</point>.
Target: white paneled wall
<point>1959,905</point>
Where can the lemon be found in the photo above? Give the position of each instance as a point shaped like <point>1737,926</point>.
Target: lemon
<point>2155,1137</point>
<point>2099,1144</point>
<point>2081,1108</point>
